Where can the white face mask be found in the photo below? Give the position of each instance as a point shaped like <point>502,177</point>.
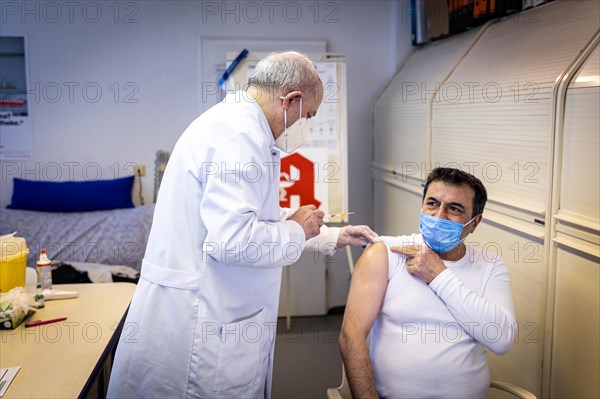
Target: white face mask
<point>293,136</point>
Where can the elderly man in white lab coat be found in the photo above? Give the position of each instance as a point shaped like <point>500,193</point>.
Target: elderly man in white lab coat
<point>202,320</point>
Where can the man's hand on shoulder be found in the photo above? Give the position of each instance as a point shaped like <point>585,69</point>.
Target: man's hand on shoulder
<point>421,261</point>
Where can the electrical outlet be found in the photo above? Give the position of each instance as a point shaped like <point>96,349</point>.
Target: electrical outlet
<point>140,170</point>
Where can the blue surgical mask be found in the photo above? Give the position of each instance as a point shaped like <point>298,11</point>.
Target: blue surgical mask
<point>441,235</point>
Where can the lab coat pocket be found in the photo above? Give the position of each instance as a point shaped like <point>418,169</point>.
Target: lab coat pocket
<point>240,360</point>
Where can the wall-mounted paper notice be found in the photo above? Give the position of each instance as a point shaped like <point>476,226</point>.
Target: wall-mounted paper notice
<point>16,138</point>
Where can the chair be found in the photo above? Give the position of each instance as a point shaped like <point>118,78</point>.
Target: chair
<point>516,391</point>
<point>343,391</point>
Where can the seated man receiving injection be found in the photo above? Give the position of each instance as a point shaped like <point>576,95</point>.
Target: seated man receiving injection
<point>431,303</point>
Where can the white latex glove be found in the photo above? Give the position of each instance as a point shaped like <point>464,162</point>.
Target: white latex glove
<point>356,236</point>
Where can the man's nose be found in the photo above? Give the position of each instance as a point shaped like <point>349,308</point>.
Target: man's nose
<point>442,212</point>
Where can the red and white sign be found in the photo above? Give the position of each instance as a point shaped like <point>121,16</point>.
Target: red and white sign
<point>300,183</point>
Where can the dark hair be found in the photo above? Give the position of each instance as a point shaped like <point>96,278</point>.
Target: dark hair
<point>457,177</point>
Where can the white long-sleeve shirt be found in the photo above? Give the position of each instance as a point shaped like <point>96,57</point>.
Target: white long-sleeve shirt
<point>429,340</point>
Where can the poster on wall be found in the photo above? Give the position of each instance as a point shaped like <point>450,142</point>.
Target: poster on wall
<point>324,127</point>
<point>15,112</point>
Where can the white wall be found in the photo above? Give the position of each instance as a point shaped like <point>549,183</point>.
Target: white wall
<point>143,55</point>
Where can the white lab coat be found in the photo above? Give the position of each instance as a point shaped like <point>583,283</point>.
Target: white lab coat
<point>202,320</point>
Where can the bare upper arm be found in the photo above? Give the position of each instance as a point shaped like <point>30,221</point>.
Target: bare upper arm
<point>367,290</point>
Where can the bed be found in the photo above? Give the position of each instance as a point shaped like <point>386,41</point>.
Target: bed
<point>92,226</point>
<point>111,237</point>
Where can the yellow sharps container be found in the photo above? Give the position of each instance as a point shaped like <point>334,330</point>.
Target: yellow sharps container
<point>13,261</point>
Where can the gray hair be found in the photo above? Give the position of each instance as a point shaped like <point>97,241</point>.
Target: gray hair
<point>286,71</point>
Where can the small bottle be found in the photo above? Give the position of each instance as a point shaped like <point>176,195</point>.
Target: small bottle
<point>44,269</point>
<point>39,296</point>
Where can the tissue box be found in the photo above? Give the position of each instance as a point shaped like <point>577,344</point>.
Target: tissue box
<point>13,260</point>
<point>8,323</point>
<point>16,306</point>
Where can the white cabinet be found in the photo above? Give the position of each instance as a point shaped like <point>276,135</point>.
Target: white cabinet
<point>493,102</point>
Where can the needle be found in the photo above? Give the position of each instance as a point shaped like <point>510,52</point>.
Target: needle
<point>342,214</point>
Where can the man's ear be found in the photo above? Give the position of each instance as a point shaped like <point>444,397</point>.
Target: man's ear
<point>476,221</point>
<point>291,97</point>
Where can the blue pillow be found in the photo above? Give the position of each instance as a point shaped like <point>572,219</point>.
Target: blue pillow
<point>72,196</point>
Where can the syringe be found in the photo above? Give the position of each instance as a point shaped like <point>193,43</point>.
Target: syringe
<point>341,214</point>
